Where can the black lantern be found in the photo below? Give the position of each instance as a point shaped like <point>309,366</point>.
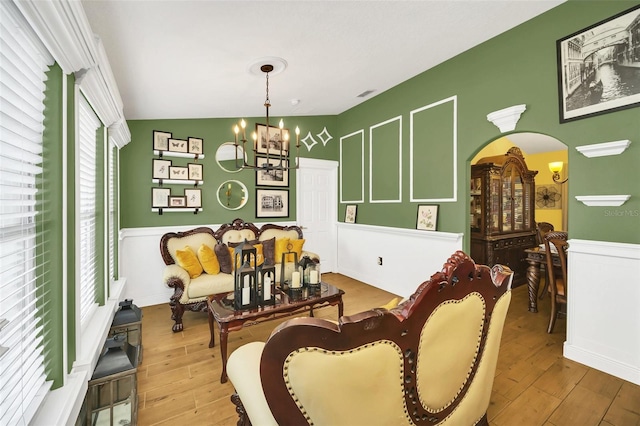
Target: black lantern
<point>112,397</point>
<point>245,294</point>
<point>294,280</point>
<point>266,284</point>
<point>128,322</point>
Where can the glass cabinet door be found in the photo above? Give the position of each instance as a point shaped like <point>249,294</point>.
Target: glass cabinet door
<point>518,203</point>
<point>507,199</point>
<point>494,208</point>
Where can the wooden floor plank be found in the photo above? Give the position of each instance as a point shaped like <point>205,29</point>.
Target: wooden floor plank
<point>179,378</point>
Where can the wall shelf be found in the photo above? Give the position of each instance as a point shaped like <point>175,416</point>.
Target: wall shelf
<point>603,200</point>
<point>177,210</point>
<point>177,154</point>
<point>178,182</point>
<point>604,149</point>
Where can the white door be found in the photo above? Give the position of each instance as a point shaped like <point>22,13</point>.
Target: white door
<point>317,186</point>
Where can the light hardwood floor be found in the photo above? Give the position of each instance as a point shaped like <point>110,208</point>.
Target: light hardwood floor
<point>179,378</point>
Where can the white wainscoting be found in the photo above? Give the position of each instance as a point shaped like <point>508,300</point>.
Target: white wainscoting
<point>603,312</point>
<point>142,264</point>
<point>409,256</point>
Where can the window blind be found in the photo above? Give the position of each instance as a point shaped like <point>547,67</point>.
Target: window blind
<point>23,64</point>
<point>88,124</point>
<point>112,212</point>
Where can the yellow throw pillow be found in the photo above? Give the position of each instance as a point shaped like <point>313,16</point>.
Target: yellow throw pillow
<point>391,303</point>
<point>208,260</point>
<point>189,262</point>
<point>281,247</point>
<point>297,248</point>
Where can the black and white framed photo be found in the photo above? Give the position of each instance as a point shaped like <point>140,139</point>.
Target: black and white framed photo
<point>427,218</point>
<point>195,171</point>
<point>269,175</point>
<point>178,145</point>
<point>161,140</point>
<point>179,173</point>
<point>177,201</point>
<point>194,197</point>
<point>276,139</point>
<point>160,197</point>
<point>272,203</point>
<point>195,145</point>
<point>599,67</point>
<point>350,213</point>
<point>161,168</point>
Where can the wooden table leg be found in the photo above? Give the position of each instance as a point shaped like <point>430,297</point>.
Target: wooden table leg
<point>224,334</point>
<point>340,308</point>
<point>212,341</point>
<point>533,284</point>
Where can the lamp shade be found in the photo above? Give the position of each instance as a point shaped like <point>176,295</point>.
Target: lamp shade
<point>555,167</point>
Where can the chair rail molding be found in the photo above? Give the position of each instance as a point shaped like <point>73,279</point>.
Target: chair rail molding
<point>604,149</point>
<point>603,200</point>
<point>507,118</point>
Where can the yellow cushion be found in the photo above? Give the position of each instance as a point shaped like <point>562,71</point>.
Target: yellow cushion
<point>189,262</point>
<point>391,303</point>
<point>208,260</point>
<point>282,246</point>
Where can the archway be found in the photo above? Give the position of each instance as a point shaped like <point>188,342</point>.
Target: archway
<point>504,211</point>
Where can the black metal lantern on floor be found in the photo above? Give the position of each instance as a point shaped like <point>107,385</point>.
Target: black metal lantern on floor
<point>245,294</point>
<point>266,284</point>
<point>112,398</point>
<point>128,322</point>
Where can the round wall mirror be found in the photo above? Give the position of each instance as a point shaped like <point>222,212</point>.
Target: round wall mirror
<point>232,195</point>
<point>226,157</point>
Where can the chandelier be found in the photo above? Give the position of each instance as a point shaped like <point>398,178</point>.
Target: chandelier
<point>271,146</point>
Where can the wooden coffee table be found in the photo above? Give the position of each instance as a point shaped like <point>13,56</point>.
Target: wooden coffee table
<point>287,303</point>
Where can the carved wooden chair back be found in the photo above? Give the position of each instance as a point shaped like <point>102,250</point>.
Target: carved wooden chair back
<point>543,228</point>
<point>556,242</point>
<point>395,366</point>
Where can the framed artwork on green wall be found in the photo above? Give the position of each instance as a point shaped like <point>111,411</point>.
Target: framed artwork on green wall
<point>599,67</point>
<point>427,217</point>
<point>350,213</point>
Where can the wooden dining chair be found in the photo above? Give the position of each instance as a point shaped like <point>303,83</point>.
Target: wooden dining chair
<point>542,229</point>
<point>557,282</point>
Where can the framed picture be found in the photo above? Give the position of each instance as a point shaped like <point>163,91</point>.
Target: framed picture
<point>161,140</point>
<point>350,213</point>
<point>179,173</point>
<point>195,171</point>
<point>177,201</point>
<point>194,197</point>
<point>161,168</point>
<point>195,145</point>
<point>272,176</point>
<point>272,203</point>
<point>275,140</point>
<point>178,145</point>
<point>160,197</point>
<point>598,68</point>
<point>427,217</point>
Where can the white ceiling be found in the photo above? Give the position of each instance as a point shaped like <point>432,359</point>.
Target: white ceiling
<point>190,59</point>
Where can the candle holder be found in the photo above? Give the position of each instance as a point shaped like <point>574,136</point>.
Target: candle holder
<point>245,294</point>
<point>266,284</point>
<point>284,282</point>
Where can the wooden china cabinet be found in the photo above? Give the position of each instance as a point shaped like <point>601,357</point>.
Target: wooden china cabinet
<point>502,212</point>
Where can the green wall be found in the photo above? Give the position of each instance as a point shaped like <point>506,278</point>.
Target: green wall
<point>517,67</point>
<point>136,173</point>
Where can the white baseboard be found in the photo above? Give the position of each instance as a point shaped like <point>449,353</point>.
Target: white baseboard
<point>611,366</point>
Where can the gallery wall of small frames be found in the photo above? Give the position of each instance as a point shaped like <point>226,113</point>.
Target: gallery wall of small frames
<point>175,162</point>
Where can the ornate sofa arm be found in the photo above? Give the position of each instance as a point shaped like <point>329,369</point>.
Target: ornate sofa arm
<point>178,279</point>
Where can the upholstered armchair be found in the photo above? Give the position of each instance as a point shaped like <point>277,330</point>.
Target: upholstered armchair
<point>430,360</point>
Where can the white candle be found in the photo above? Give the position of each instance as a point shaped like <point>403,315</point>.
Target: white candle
<point>267,287</point>
<point>246,296</point>
<point>295,279</point>
<point>313,277</point>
